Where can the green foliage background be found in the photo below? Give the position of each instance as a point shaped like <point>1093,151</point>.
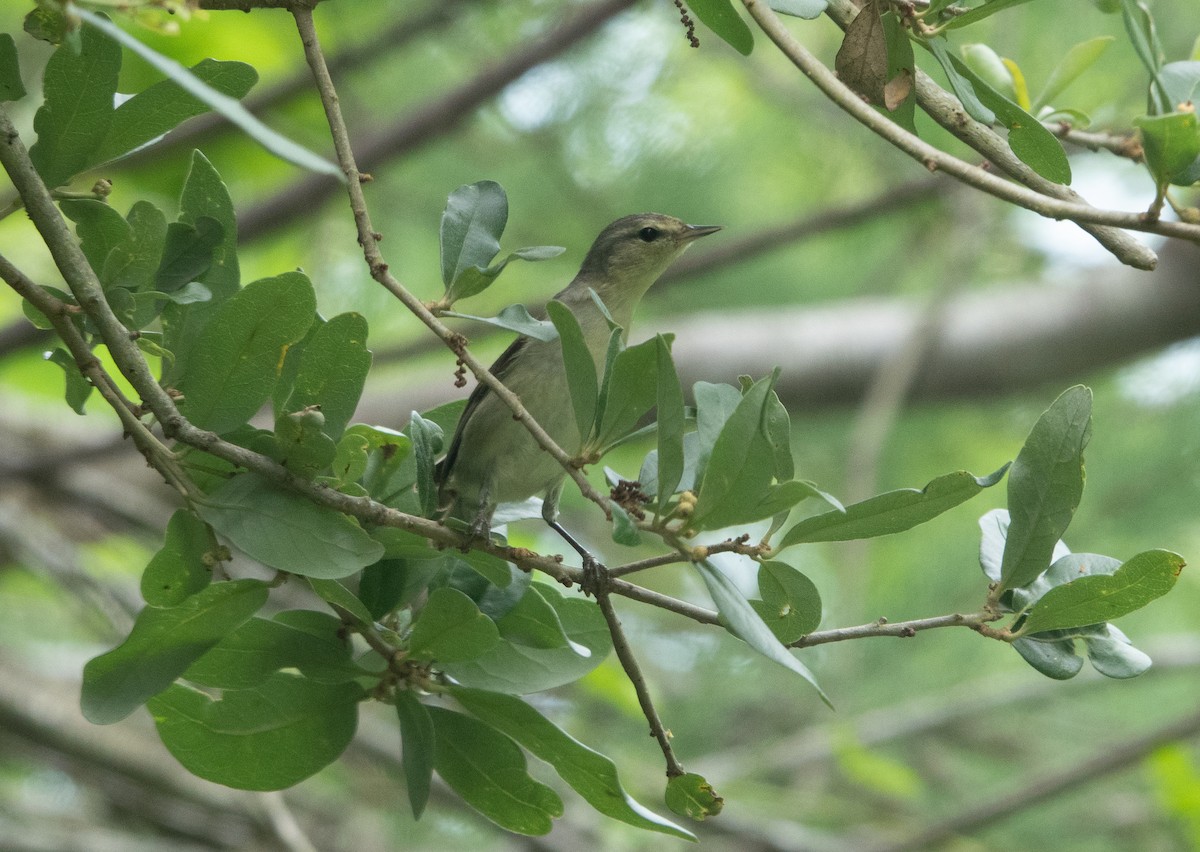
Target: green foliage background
<point>632,120</point>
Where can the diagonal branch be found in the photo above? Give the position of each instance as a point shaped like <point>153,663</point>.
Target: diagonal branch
<point>933,158</point>
<point>369,240</point>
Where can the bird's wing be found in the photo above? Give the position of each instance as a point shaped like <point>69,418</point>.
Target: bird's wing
<point>498,369</point>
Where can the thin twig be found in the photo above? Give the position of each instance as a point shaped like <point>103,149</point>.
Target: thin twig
<point>159,457</point>
<point>633,671</point>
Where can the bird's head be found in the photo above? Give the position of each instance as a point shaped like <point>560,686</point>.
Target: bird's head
<point>634,250</point>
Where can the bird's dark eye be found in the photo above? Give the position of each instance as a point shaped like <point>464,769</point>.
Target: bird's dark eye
<point>648,235</point>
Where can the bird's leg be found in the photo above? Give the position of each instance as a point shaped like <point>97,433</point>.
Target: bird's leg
<point>595,575</point>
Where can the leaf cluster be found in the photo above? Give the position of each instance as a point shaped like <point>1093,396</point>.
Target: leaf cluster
<point>452,639</point>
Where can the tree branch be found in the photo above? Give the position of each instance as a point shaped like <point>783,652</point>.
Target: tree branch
<point>934,158</point>
<point>369,240</point>
<point>1113,758</point>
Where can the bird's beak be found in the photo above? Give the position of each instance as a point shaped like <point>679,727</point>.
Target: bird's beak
<point>695,232</point>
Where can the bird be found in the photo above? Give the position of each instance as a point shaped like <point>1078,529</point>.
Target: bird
<point>492,458</point>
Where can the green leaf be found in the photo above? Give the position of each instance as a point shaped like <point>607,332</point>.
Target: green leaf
<point>11,87</point>
<point>187,253</point>
<point>899,93</point>
<point>742,463</point>
<point>515,318</point>
<point>790,605</point>
<point>266,738</point>
<point>132,261</point>
<point>1171,143</point>
<point>287,532</point>
<point>892,511</point>
<point>474,280</point>
<point>235,363</point>
<point>301,639</point>
<point>487,769</point>
<point>390,583</point>
<point>720,17</point>
<point>165,105</point>
<point>1139,24</point>
<point>632,390</point>
<point>332,371</point>
<point>987,65</point>
<point>1093,599</point>
<point>100,228</point>
<point>534,622</point>
<point>625,531</point>
<point>350,459</point>
<point>1044,486</point>
<point>1180,81</point>
<point>204,196</point>
<point>714,405</point>
<point>1113,655</point>
<point>344,601</point>
<point>977,14</point>
<point>78,387</point>
<point>417,741</point>
<point>47,23</point>
<point>671,422</point>
<point>690,795</point>
<point>427,444</point>
<point>162,644</point>
<point>237,114</point>
<point>963,90</point>
<point>745,623</point>
<point>589,773</point>
<point>495,600</point>
<point>390,468</point>
<point>491,568</point>
<point>1050,654</point>
<point>78,107</point>
<point>1030,141</point>
<point>183,566</point>
<point>511,666</point>
<point>301,445</point>
<point>579,364</point>
<point>451,629</point>
<point>1078,59</point>
<point>472,223</point>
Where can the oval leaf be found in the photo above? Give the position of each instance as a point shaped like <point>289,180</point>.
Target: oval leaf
<point>488,770</point>
<point>162,644</point>
<point>417,741</point>
<point>450,628</point>
<point>266,738</point>
<point>472,223</point>
<point>746,624</point>
<point>1103,597</point>
<point>183,566</point>
<point>1044,486</point>
<point>891,512</point>
<point>287,532</point>
<point>235,362</point>
<point>589,773</point>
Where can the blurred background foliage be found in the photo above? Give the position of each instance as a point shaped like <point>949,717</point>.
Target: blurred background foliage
<point>937,728</point>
